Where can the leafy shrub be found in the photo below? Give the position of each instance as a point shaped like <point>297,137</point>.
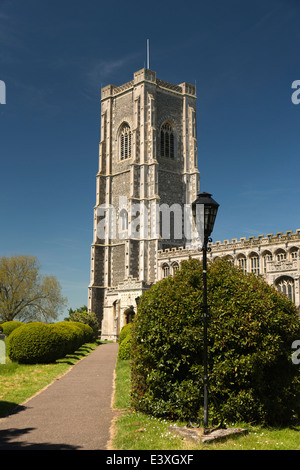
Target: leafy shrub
<point>125,347</point>
<point>88,333</point>
<point>251,328</point>
<point>126,330</point>
<point>73,336</point>
<point>35,343</point>
<point>88,318</point>
<point>81,332</point>
<point>38,342</point>
<point>9,326</point>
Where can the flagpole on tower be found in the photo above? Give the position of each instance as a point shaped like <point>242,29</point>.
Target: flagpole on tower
<point>148,55</point>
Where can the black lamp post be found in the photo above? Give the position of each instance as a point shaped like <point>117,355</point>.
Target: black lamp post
<point>210,213</point>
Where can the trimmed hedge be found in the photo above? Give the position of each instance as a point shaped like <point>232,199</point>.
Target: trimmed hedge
<point>88,332</point>
<point>9,326</point>
<point>125,348</point>
<point>40,343</point>
<point>251,328</point>
<point>126,330</point>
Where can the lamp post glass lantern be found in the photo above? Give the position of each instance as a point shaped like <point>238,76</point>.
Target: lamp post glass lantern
<point>209,214</point>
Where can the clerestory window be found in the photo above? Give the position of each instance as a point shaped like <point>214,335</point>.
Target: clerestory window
<point>167,141</point>
<point>281,255</point>
<point>125,142</point>
<point>294,253</point>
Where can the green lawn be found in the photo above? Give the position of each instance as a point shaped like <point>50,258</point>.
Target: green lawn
<point>137,431</point>
<point>132,431</point>
<point>18,382</point>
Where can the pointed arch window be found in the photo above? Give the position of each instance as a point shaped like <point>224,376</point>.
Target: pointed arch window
<point>125,141</point>
<point>267,257</point>
<point>286,286</point>
<point>281,255</point>
<point>294,253</point>
<point>166,270</point>
<point>175,267</point>
<point>167,141</point>
<point>254,263</point>
<point>242,263</point>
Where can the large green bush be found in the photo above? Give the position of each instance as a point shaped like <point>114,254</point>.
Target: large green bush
<point>44,343</point>
<point>251,329</point>
<point>73,336</point>
<point>125,331</point>
<point>125,348</point>
<point>35,342</point>
<point>88,333</point>
<point>9,326</point>
<point>78,333</point>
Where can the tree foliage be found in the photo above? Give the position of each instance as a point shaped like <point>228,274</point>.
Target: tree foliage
<point>251,329</point>
<point>83,316</point>
<point>25,294</point>
<point>9,326</point>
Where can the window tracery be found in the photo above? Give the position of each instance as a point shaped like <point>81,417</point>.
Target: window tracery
<point>125,142</point>
<point>167,141</point>
<point>286,286</point>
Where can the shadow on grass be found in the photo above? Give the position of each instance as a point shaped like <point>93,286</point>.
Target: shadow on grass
<point>83,351</point>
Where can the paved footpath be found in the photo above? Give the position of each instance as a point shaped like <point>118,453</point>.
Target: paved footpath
<point>73,413</point>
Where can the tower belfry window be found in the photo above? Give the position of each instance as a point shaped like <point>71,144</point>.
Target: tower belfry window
<point>125,142</point>
<point>167,141</point>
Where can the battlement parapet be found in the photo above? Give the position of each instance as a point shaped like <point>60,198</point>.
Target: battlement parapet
<point>259,240</point>
<point>149,76</point>
<point>243,242</point>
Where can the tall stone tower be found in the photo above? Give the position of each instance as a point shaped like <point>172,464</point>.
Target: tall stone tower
<point>147,174</point>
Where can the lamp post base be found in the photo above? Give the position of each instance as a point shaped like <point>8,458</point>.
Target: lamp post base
<point>198,434</point>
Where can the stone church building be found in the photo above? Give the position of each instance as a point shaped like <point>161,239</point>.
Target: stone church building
<point>147,180</point>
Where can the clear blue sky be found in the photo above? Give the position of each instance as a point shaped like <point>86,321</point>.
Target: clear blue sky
<point>56,54</point>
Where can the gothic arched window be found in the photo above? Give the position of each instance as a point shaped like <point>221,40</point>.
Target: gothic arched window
<point>280,255</point>
<point>166,270</point>
<point>167,141</point>
<point>125,141</point>
<point>294,253</point>
<point>175,267</point>
<point>266,257</point>
<point>286,286</point>
<point>254,263</point>
<point>242,263</point>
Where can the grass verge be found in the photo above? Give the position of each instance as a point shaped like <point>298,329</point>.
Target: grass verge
<point>138,431</point>
<point>19,382</point>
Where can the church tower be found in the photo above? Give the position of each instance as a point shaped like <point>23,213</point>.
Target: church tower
<point>147,174</point>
